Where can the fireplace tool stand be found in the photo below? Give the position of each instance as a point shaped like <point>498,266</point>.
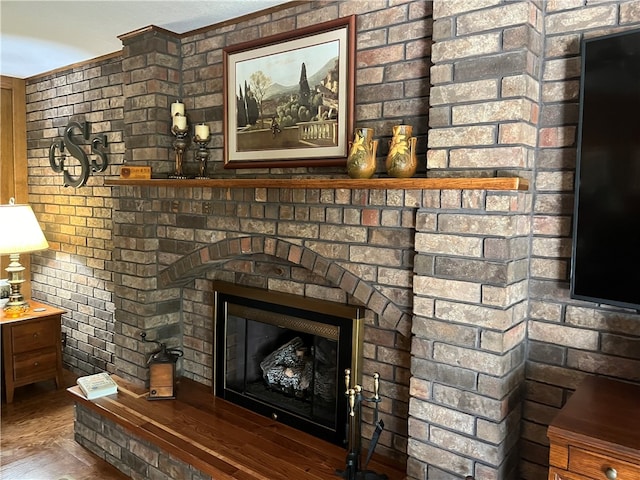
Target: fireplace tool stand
<point>354,431</point>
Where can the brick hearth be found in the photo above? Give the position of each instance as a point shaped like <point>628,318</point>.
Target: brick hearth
<point>200,437</point>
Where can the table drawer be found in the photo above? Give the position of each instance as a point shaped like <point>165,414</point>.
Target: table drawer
<point>559,474</point>
<point>34,335</point>
<point>36,364</point>
<point>594,465</point>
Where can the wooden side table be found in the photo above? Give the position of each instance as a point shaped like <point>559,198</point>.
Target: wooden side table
<point>31,347</point>
<point>596,435</point>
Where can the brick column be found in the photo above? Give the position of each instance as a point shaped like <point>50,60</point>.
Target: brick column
<point>152,79</point>
<point>470,285</point>
<point>141,305</point>
<point>469,330</point>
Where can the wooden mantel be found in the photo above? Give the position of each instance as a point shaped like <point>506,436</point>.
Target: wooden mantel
<point>463,183</point>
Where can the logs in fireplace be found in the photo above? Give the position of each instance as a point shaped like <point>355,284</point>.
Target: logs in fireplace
<point>298,371</point>
<point>284,356</point>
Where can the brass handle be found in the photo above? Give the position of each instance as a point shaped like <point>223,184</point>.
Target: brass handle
<point>35,335</point>
<point>35,364</point>
<point>611,473</point>
<point>347,379</point>
<point>376,386</point>
<point>352,402</point>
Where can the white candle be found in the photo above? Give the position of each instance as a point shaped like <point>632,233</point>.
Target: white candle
<point>180,122</point>
<point>177,108</point>
<point>202,131</point>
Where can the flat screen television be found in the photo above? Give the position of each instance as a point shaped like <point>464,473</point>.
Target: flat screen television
<point>605,266</point>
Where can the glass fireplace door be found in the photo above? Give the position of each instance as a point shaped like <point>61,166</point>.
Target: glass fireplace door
<point>283,362</point>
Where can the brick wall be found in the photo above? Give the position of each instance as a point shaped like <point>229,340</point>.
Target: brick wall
<point>76,272</point>
<point>568,339</point>
<point>495,345</point>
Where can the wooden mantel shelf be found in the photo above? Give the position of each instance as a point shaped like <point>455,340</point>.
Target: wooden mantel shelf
<point>466,183</point>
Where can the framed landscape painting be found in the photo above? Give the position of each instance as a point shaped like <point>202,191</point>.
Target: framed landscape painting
<point>288,99</point>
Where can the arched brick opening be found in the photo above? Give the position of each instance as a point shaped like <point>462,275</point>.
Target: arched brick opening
<point>197,262</point>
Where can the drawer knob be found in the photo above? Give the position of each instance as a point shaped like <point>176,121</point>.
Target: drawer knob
<point>611,473</point>
<point>35,335</point>
<point>35,364</point>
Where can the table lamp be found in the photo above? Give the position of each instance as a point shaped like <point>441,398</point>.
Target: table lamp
<point>21,233</point>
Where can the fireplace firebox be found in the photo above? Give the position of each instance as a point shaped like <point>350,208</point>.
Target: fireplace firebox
<point>284,356</point>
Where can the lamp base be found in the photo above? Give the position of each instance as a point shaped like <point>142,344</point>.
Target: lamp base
<point>17,305</point>
<point>15,308</point>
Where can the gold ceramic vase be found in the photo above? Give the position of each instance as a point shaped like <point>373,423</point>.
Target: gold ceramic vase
<point>361,162</point>
<point>401,159</point>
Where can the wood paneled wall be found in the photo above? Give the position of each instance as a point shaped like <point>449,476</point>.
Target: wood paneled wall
<point>13,157</point>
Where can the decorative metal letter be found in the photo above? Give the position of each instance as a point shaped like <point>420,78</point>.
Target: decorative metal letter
<point>100,166</point>
<point>77,152</point>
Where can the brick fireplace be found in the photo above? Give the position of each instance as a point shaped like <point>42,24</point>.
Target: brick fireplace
<point>179,298</point>
<point>440,273</point>
<point>451,279</point>
<point>376,261</point>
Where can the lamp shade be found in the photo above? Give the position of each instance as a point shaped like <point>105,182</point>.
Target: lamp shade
<point>21,232</point>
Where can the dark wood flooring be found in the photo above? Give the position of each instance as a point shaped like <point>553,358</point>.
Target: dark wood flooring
<point>36,437</point>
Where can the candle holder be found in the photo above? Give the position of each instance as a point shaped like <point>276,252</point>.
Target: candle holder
<point>202,154</point>
<point>179,145</point>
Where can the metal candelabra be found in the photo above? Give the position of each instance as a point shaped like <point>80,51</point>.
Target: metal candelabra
<point>179,145</point>
<point>202,154</point>
<point>354,430</point>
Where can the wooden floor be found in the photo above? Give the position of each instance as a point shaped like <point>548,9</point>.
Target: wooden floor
<point>36,438</point>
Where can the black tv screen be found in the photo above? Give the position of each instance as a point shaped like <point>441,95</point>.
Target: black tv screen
<point>605,265</point>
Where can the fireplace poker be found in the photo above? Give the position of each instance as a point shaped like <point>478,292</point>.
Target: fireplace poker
<point>377,422</point>
<point>347,382</point>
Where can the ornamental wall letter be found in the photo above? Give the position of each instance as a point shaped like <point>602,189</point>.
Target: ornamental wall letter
<point>81,167</point>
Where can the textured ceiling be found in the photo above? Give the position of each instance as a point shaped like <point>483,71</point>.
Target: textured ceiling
<point>39,36</point>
